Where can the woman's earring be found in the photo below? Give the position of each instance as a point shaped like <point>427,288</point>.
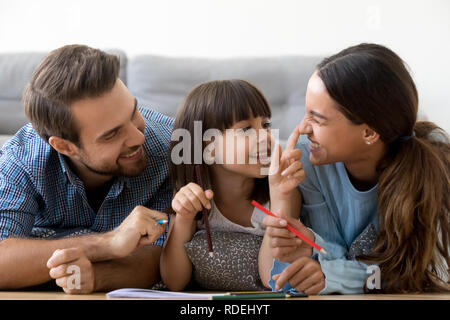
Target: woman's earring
<point>368,142</point>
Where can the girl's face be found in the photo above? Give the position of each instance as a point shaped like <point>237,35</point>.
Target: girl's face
<point>333,138</point>
<point>244,148</point>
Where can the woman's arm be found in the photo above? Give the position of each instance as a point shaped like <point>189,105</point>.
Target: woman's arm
<point>341,275</point>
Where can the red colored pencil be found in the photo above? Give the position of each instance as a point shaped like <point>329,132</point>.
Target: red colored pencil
<point>205,212</point>
<point>291,228</point>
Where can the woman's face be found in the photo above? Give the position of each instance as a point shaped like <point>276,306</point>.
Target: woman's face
<point>333,138</point>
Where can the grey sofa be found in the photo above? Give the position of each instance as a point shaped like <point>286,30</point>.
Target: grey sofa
<point>162,82</point>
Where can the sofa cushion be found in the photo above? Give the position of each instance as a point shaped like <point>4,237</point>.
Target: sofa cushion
<point>161,83</point>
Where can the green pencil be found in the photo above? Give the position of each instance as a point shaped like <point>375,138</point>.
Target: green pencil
<point>269,295</point>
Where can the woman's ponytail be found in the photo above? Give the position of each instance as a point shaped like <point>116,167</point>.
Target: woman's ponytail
<point>412,249</point>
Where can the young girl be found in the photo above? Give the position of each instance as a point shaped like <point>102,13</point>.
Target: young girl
<point>241,116</point>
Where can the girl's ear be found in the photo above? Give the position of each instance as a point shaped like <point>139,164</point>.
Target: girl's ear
<point>370,136</point>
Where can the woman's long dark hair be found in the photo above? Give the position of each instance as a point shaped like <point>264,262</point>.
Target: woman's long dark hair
<point>372,85</point>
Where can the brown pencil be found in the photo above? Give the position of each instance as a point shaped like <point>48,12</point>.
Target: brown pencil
<point>205,213</point>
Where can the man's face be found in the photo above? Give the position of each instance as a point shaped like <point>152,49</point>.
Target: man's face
<point>111,131</point>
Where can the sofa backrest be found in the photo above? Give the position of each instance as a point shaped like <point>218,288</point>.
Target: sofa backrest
<point>161,83</point>
<point>16,70</point>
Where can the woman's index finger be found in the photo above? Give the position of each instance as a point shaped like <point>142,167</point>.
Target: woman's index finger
<point>293,138</point>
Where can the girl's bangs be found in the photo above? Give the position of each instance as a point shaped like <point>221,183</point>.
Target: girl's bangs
<point>239,101</point>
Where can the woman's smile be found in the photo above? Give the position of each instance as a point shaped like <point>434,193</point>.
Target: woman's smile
<point>314,147</point>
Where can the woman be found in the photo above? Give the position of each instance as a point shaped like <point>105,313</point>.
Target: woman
<point>377,186</point>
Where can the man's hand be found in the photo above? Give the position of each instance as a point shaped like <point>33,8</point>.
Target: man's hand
<point>284,245</point>
<point>72,271</point>
<point>139,228</point>
<point>304,274</point>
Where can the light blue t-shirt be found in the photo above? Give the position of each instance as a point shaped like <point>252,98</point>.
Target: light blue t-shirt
<point>337,213</point>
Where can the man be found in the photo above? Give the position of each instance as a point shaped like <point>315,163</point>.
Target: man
<point>83,186</point>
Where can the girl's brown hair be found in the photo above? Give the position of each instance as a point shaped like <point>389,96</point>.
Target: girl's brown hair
<point>218,105</point>
<point>372,85</point>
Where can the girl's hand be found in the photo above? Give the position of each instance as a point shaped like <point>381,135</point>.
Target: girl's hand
<point>304,274</point>
<point>284,245</point>
<point>286,173</point>
<point>191,199</point>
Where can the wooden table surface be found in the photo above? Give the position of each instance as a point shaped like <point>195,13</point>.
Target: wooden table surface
<point>23,295</point>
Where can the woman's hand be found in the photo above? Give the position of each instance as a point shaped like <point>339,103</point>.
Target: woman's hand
<point>191,199</point>
<point>304,274</point>
<point>286,171</point>
<point>284,245</point>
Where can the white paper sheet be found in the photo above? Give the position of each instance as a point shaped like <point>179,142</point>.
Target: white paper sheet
<point>134,293</point>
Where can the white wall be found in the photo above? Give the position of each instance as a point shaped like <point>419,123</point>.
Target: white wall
<point>419,31</point>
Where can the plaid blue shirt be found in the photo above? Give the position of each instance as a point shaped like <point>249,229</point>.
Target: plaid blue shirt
<point>41,197</point>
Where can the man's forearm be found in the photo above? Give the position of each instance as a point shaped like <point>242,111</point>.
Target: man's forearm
<point>23,262</point>
<point>138,270</point>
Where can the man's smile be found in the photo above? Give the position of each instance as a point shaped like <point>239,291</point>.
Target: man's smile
<point>134,155</point>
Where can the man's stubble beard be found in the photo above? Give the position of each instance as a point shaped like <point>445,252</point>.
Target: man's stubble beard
<point>120,171</point>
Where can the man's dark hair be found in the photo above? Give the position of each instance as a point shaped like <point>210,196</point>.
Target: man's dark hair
<point>66,75</point>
